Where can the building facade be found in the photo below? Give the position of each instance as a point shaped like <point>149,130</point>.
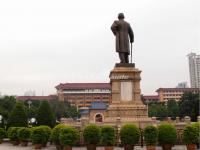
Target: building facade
<point>194,69</point>
<point>83,94</point>
<point>166,94</point>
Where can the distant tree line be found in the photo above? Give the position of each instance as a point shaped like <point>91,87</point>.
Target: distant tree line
<point>187,106</point>
<point>19,113</point>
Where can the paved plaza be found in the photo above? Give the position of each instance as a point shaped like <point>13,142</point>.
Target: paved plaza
<point>8,146</point>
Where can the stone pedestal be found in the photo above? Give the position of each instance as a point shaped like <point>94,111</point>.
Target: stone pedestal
<point>126,96</point>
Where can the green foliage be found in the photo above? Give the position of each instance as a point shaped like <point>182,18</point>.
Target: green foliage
<point>157,110</point>
<point>92,134</point>
<point>190,136</point>
<point>167,134</point>
<point>47,130</point>
<point>24,134</point>
<point>172,108</point>
<point>55,133</point>
<point>108,135</point>
<point>189,105</point>
<point>45,115</point>
<point>68,136</point>
<point>38,135</point>
<point>196,125</point>
<point>18,117</point>
<point>2,133</point>
<point>129,134</point>
<point>150,135</point>
<point>13,133</point>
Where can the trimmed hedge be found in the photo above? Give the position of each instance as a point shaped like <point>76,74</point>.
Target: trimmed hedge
<point>190,136</point>
<point>55,133</point>
<point>68,136</point>
<point>167,134</point>
<point>2,133</point>
<point>129,134</point>
<point>13,133</point>
<point>38,135</point>
<point>108,135</point>
<point>92,134</point>
<point>24,134</point>
<point>150,135</point>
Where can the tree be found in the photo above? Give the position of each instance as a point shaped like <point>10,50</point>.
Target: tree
<point>172,108</point>
<point>189,105</point>
<point>18,116</point>
<point>45,115</point>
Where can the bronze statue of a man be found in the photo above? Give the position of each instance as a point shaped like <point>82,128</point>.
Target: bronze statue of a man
<point>123,32</point>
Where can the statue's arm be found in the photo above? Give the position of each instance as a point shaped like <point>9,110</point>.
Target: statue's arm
<point>114,28</point>
<point>131,35</point>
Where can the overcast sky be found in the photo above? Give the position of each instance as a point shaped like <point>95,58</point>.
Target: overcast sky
<point>44,42</point>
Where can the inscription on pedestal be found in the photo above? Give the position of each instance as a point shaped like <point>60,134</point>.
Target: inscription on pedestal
<point>126,91</point>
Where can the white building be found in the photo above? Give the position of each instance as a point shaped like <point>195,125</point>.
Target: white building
<point>194,68</point>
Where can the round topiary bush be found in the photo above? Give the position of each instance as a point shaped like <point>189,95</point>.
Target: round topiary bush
<point>55,133</point>
<point>190,136</point>
<point>150,135</point>
<point>108,135</point>
<point>38,135</point>
<point>13,135</point>
<point>68,136</point>
<point>24,134</point>
<point>2,134</point>
<point>47,130</point>
<point>92,134</point>
<point>129,134</point>
<point>167,134</point>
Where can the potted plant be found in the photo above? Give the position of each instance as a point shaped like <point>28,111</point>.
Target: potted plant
<point>38,137</point>
<point>150,137</point>
<point>196,125</point>
<point>68,137</point>
<point>129,135</point>
<point>47,130</point>
<point>190,137</point>
<point>13,136</point>
<point>24,135</point>
<point>108,137</point>
<point>91,135</point>
<point>55,135</point>
<point>167,136</point>
<point>2,134</point>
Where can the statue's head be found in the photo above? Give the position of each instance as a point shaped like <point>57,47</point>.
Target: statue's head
<point>121,16</point>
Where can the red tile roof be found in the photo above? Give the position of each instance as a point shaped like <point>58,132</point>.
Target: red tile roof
<point>179,89</point>
<point>151,97</point>
<point>83,86</point>
<point>40,98</point>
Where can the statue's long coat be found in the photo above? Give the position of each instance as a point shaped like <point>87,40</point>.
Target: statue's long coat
<point>122,31</point>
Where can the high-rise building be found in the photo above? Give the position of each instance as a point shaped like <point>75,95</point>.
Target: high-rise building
<point>194,68</point>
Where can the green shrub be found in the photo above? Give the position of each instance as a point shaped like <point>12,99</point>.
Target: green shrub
<point>196,125</point>
<point>129,134</point>
<point>167,134</point>
<point>55,133</point>
<point>108,135</point>
<point>68,136</point>
<point>190,136</point>
<point>2,133</point>
<point>38,135</point>
<point>24,134</point>
<point>12,133</point>
<point>92,134</point>
<point>150,135</point>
